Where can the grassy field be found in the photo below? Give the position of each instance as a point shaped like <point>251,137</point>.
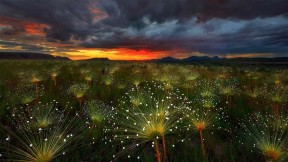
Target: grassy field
<point>134,111</point>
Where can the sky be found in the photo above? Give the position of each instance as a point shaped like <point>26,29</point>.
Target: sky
<point>145,29</point>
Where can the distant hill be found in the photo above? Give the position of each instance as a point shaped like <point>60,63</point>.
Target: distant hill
<point>29,56</point>
<point>216,58</point>
<point>97,59</point>
<point>197,58</point>
<point>188,59</point>
<point>165,59</point>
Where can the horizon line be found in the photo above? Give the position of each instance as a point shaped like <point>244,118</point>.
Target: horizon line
<point>226,56</point>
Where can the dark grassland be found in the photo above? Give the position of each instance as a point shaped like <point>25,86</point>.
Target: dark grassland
<point>134,111</point>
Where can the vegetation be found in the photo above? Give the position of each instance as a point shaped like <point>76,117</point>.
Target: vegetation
<point>137,111</point>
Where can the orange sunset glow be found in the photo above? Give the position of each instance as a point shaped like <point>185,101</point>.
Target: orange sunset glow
<point>114,54</point>
<point>34,28</point>
<point>29,27</point>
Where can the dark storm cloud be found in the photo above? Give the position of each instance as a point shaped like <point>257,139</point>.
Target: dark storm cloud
<point>10,30</point>
<point>127,12</point>
<point>24,47</point>
<point>65,17</point>
<point>214,36</point>
<point>209,26</point>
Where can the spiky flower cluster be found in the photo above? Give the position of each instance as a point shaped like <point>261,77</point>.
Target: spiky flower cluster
<point>228,87</point>
<point>36,77</point>
<point>113,69</point>
<point>136,80</point>
<point>192,76</point>
<point>44,115</point>
<point>209,102</point>
<point>78,90</point>
<point>263,133</point>
<point>206,88</point>
<point>97,111</point>
<point>25,143</point>
<point>151,121</point>
<point>100,118</point>
<point>25,94</point>
<point>27,98</point>
<point>167,79</point>
<point>89,76</point>
<point>278,94</point>
<point>201,119</point>
<point>53,73</point>
<point>108,80</point>
<point>120,84</point>
<point>255,92</point>
<point>137,98</point>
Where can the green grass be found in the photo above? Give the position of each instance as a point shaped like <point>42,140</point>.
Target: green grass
<point>111,91</point>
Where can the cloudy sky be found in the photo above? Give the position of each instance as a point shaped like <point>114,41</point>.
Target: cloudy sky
<point>145,29</point>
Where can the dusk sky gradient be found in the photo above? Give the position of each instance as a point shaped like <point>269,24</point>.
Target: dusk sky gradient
<point>145,29</point>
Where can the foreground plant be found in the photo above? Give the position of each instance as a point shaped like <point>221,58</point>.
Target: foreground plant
<point>99,115</point>
<point>228,88</point>
<point>254,94</point>
<point>44,115</point>
<point>89,78</point>
<point>36,78</point>
<point>108,80</point>
<point>149,122</point>
<point>120,84</point>
<point>169,81</point>
<point>54,74</point>
<point>200,119</point>
<point>278,96</point>
<point>190,78</point>
<point>136,98</point>
<point>264,133</point>
<point>209,103</point>
<point>136,80</point>
<point>23,143</point>
<point>78,91</point>
<point>206,88</point>
<point>27,98</point>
